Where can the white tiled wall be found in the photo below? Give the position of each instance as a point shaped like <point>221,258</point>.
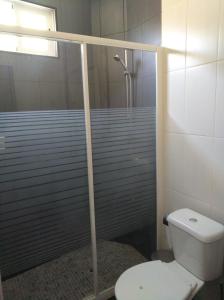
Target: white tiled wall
<point>194,105</point>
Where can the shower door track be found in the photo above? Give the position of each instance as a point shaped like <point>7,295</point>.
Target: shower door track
<point>84,41</point>
<point>106,294</point>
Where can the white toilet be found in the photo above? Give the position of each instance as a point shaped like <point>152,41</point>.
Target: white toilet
<point>198,245</point>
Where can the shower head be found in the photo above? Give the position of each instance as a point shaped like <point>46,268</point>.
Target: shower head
<point>117,57</point>
<point>120,60</point>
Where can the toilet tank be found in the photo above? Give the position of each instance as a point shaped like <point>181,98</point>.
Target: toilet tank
<point>198,243</point>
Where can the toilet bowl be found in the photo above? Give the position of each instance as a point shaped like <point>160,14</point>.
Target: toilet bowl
<point>198,244</point>
<point>157,280</point>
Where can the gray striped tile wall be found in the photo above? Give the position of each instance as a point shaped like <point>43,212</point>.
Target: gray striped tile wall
<point>44,188</point>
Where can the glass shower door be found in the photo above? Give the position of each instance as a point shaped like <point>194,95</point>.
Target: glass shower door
<point>44,216</point>
<point>123,134</point>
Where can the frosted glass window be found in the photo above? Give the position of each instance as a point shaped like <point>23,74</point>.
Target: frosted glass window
<point>28,15</point>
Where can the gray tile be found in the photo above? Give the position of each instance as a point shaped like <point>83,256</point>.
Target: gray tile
<point>209,291</point>
<point>73,66</point>
<point>141,11</point>
<point>27,95</point>
<point>75,100</point>
<point>134,13</point>
<point>117,95</point>
<point>24,67</point>
<point>115,69</point>
<point>53,96</point>
<point>52,69</point>
<point>4,58</point>
<point>6,101</point>
<point>50,3</point>
<point>151,8</point>
<point>116,36</point>
<point>137,63</point>
<point>112,17</point>
<point>69,276</point>
<point>149,91</point>
<point>152,31</point>
<point>138,92</point>
<point>5,72</point>
<point>95,100</point>
<point>135,35</point>
<point>100,74</point>
<point>90,54</point>
<point>95,18</point>
<point>76,16</point>
<point>130,60</point>
<point>148,63</point>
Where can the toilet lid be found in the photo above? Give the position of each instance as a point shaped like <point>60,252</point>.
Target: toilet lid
<point>152,281</point>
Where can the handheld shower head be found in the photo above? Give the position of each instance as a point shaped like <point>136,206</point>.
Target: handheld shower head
<point>117,57</point>
<point>128,78</point>
<point>120,60</point>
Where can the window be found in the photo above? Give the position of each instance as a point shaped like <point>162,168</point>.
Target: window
<point>28,15</point>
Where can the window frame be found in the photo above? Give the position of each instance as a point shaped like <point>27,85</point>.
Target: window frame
<point>53,51</point>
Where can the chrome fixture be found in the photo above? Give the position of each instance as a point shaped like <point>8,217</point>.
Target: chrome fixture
<point>128,78</point>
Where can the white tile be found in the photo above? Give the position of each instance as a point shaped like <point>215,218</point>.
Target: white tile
<point>219,115</point>
<point>168,3</point>
<point>200,99</point>
<point>174,161</point>
<point>217,215</point>
<point>198,160</point>
<point>218,176</point>
<point>176,101</point>
<point>202,33</point>
<point>174,32</point>
<point>176,200</point>
<point>221,33</point>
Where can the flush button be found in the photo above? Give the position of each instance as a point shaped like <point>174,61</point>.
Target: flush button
<point>193,220</point>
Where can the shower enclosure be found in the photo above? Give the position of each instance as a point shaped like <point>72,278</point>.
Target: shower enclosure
<point>77,177</point>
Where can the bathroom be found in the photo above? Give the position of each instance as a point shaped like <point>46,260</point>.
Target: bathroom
<point>111,120</point>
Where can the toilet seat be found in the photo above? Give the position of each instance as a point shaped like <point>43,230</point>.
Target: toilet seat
<point>157,280</point>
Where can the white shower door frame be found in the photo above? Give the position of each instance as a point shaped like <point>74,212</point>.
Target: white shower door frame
<point>84,41</point>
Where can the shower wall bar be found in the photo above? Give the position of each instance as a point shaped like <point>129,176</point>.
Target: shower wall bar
<point>89,40</point>
<point>89,161</point>
<point>76,38</point>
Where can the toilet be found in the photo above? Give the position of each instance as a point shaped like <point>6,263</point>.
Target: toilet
<point>198,246</point>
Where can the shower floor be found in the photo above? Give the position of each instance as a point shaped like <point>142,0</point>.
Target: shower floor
<point>70,277</point>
